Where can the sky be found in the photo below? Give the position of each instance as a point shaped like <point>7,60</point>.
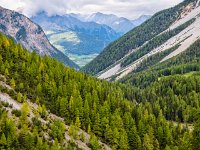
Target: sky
<point>124,8</point>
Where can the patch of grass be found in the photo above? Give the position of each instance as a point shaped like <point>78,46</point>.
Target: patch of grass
<point>82,60</point>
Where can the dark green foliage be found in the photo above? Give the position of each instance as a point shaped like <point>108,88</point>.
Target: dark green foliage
<point>154,59</point>
<point>16,112</point>
<point>22,138</point>
<point>120,115</point>
<point>185,62</point>
<point>135,38</point>
<point>63,58</point>
<point>5,104</point>
<point>36,122</point>
<point>94,144</point>
<point>154,43</point>
<point>196,133</point>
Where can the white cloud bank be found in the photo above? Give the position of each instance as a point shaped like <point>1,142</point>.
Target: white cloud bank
<point>126,8</point>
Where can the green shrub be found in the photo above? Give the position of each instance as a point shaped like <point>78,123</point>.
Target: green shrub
<point>16,112</point>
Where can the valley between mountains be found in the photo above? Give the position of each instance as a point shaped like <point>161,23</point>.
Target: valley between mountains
<point>82,37</point>
<point>184,39</point>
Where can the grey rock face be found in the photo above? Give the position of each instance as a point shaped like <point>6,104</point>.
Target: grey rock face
<point>29,34</point>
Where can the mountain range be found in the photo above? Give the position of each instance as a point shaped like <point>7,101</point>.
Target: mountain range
<point>156,39</point>
<point>81,41</point>
<point>83,37</point>
<point>74,37</point>
<point>29,34</point>
<point>119,24</point>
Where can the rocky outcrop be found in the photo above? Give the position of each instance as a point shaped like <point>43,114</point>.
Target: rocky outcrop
<point>29,34</point>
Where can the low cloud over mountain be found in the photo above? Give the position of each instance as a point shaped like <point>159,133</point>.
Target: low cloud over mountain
<point>127,8</point>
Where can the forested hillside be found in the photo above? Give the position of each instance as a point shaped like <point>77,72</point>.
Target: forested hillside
<point>160,116</point>
<point>135,38</point>
<point>30,35</point>
<point>154,43</point>
<point>184,63</point>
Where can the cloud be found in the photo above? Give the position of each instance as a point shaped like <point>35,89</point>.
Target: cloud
<point>126,8</point>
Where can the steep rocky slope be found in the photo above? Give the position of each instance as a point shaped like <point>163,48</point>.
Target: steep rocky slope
<point>6,100</point>
<point>181,31</point>
<point>184,39</point>
<point>29,34</point>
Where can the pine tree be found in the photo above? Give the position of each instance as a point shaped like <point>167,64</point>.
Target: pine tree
<point>156,145</point>
<point>77,122</point>
<point>196,135</point>
<point>25,108</point>
<point>55,145</point>
<point>96,126</point>
<point>86,114</point>
<point>9,140</point>
<point>19,97</point>
<point>64,108</point>
<point>82,137</point>
<point>3,140</point>
<point>72,106</point>
<point>21,86</point>
<point>39,88</point>
<point>88,129</point>
<point>6,73</point>
<point>123,141</point>
<point>12,83</point>
<point>134,139</point>
<point>147,143</point>
<point>116,137</point>
<point>79,104</point>
<point>39,144</point>
<point>29,141</point>
<point>167,148</point>
<point>73,132</point>
<point>94,144</point>
<point>3,69</point>
<point>108,134</point>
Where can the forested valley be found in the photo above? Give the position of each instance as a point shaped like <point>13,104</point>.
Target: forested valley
<point>161,114</point>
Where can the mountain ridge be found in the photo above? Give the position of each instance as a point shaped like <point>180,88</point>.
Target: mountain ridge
<point>73,37</point>
<point>30,35</point>
<point>184,38</point>
<point>133,41</point>
<point>119,24</point>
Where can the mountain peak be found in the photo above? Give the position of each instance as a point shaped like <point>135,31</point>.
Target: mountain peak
<point>119,24</point>
<point>29,34</point>
<point>148,39</point>
<point>98,13</point>
<point>102,14</point>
